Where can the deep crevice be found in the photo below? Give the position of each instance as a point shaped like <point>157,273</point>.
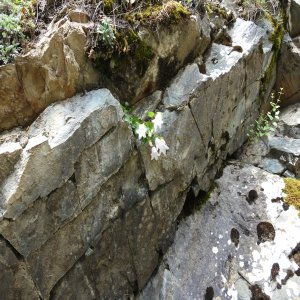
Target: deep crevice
<point>193,203</point>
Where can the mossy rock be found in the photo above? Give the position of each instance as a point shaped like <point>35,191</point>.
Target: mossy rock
<point>292,191</point>
<point>276,38</point>
<point>171,12</point>
<point>214,9</point>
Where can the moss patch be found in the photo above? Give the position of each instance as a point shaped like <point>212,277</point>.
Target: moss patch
<point>168,13</point>
<point>292,191</point>
<point>276,38</point>
<point>128,49</point>
<point>216,9</point>
<point>108,5</point>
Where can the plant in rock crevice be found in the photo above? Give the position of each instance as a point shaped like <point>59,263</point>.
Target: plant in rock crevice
<point>146,131</point>
<point>105,32</point>
<point>266,123</point>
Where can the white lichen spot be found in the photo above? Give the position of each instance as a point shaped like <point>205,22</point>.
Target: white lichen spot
<point>215,250</point>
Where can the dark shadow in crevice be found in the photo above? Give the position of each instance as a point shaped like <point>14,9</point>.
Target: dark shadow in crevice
<point>193,203</point>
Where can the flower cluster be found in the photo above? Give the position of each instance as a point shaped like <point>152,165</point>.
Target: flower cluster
<point>147,131</point>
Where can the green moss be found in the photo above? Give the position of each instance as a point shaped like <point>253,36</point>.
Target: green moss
<point>130,44</point>
<point>216,9</point>
<point>127,60</point>
<point>292,191</point>
<point>193,204</point>
<point>168,13</point>
<point>276,38</point>
<point>108,5</point>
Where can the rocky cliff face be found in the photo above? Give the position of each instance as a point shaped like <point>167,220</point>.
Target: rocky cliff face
<point>85,213</point>
<point>243,243</point>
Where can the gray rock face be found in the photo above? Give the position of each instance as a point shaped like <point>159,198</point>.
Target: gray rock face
<point>9,155</point>
<point>216,248</point>
<point>242,243</point>
<point>288,73</point>
<point>16,282</point>
<point>84,206</point>
<point>294,12</point>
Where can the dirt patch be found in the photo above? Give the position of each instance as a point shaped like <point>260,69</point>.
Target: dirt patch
<point>265,232</point>
<point>258,294</point>
<point>235,236</point>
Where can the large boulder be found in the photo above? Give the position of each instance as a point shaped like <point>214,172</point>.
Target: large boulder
<point>57,68</point>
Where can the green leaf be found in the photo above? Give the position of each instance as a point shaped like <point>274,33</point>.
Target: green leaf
<point>151,114</point>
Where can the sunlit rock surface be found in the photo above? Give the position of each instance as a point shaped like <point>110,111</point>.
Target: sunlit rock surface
<point>84,207</point>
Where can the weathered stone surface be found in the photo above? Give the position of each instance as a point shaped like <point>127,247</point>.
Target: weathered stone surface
<point>288,73</point>
<point>290,118</point>
<point>147,104</point>
<point>184,142</point>
<point>36,225</point>
<point>56,140</point>
<point>55,70</point>
<point>97,163</point>
<point>272,165</point>
<point>294,12</point>
<point>9,155</point>
<point>284,145</point>
<point>70,243</point>
<point>181,89</point>
<point>15,281</point>
<point>203,255</point>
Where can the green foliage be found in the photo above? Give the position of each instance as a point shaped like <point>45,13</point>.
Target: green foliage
<point>105,32</point>
<point>115,52</point>
<point>16,26</point>
<point>135,122</point>
<point>147,130</point>
<point>266,123</point>
<point>171,12</point>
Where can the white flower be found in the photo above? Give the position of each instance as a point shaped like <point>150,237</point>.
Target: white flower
<point>161,146</point>
<point>154,153</point>
<point>157,121</point>
<point>141,131</point>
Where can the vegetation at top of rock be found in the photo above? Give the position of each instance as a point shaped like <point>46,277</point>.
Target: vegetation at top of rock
<point>254,9</point>
<point>292,191</point>
<point>214,8</point>
<point>167,13</point>
<point>266,123</point>
<point>120,38</point>
<point>17,24</point>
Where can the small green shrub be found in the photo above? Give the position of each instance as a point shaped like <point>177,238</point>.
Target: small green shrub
<point>16,27</point>
<point>266,123</point>
<point>105,32</point>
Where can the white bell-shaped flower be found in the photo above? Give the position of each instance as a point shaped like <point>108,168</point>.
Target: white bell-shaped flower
<point>141,131</point>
